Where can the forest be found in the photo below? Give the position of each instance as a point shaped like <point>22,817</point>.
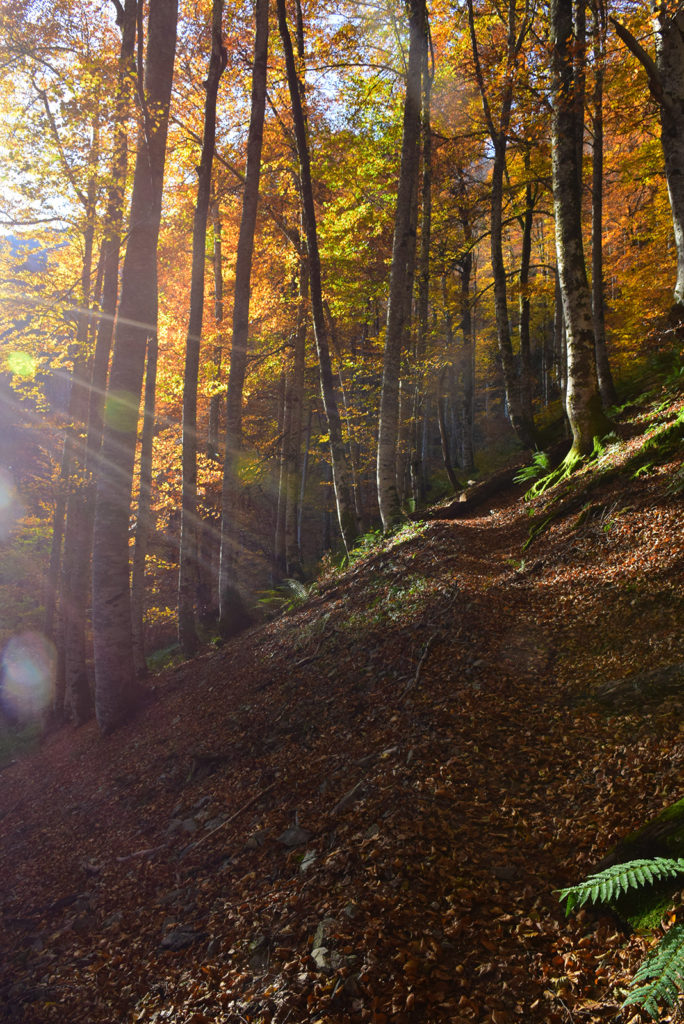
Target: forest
<point>341,476</point>
<point>275,278</point>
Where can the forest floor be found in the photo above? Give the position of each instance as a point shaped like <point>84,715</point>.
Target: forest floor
<point>363,810</point>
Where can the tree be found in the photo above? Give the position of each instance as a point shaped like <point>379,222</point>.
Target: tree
<point>401,273</point>
<point>518,398</point>
<point>238,358</point>
<point>187,634</point>
<point>349,527</point>
<point>115,689</point>
<point>583,401</point>
<point>666,82</point>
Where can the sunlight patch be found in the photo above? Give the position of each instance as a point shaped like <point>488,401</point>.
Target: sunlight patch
<point>10,507</point>
<point>22,364</point>
<point>29,665</point>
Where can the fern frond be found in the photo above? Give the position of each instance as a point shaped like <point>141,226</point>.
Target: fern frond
<point>663,972</point>
<point>609,884</point>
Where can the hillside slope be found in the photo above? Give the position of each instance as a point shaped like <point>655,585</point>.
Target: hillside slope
<point>361,811</point>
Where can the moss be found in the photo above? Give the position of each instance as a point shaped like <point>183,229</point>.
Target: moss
<point>663,836</point>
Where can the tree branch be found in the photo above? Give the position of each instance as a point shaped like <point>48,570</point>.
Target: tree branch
<point>644,58</point>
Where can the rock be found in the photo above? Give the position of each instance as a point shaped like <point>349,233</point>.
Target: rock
<point>323,932</point>
<point>319,955</point>
<point>295,836</point>
<point>307,861</point>
<point>189,825</point>
<point>179,938</point>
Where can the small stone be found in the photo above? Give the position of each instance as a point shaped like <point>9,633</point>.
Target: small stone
<point>307,860</point>
<point>295,836</point>
<point>179,938</point>
<point>320,958</point>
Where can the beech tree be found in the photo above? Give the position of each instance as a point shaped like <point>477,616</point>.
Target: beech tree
<point>401,274</point>
<point>115,688</point>
<point>349,527</point>
<point>238,358</point>
<point>583,401</point>
<point>498,121</point>
<point>666,82</point>
<point>187,634</point>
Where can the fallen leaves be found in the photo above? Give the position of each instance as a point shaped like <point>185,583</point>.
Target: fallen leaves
<point>345,855</point>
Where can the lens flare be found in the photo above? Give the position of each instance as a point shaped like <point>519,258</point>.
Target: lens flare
<point>29,665</point>
<point>10,508</point>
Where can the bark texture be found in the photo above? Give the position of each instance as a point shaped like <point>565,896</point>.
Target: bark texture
<point>401,274</point>
<point>187,573</point>
<point>238,356</point>
<point>583,401</point>
<point>115,689</point>
<point>341,478</point>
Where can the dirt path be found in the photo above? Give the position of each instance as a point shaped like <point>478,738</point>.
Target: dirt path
<point>361,812</point>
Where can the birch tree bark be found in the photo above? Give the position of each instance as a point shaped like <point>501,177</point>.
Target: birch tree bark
<point>583,401</point>
<point>115,688</point>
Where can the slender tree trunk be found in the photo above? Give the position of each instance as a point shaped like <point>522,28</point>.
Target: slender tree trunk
<point>583,401</point>
<point>519,408</point>
<point>111,241</point>
<point>76,555</point>
<point>605,377</point>
<point>401,278</point>
<point>238,357</point>
<point>418,476</point>
<point>143,524</point>
<point>666,82</point>
<point>187,573</point>
<point>341,479</point>
<point>115,689</point>
<point>215,400</point>
<point>524,283</point>
<point>293,557</point>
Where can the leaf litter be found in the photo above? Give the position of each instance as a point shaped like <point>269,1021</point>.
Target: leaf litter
<point>363,811</point>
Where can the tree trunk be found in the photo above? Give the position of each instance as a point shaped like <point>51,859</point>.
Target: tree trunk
<point>341,479</point>
<point>519,407</point>
<point>215,400</point>
<point>401,277</point>
<point>583,402</point>
<point>666,81</point>
<point>238,356</point>
<point>187,571</point>
<point>418,470</point>
<point>76,555</point>
<point>605,377</point>
<point>143,524</point>
<point>115,689</point>
<point>524,283</point>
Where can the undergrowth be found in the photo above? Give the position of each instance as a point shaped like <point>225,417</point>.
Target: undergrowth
<point>659,981</point>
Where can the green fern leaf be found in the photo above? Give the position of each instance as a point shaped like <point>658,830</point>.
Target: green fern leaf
<point>609,884</point>
<point>663,972</point>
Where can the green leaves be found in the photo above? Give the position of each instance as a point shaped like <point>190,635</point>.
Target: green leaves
<point>608,885</point>
<point>663,970</point>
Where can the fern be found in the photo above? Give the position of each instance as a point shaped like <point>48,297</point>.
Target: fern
<point>540,465</point>
<point>608,885</point>
<point>663,972</point>
<point>660,979</point>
